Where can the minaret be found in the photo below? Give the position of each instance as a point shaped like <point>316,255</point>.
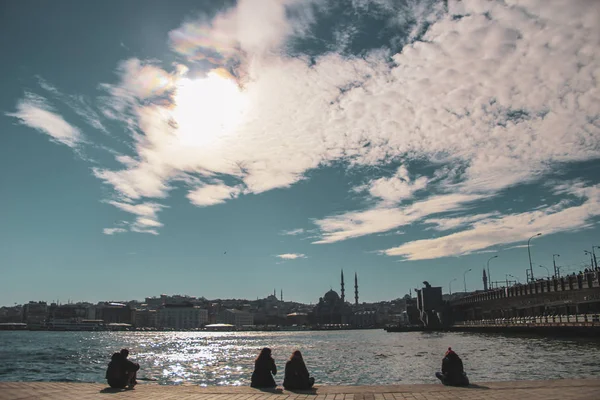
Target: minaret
<point>281,295</point>
<point>485,281</point>
<point>274,293</point>
<point>343,295</point>
<point>355,289</point>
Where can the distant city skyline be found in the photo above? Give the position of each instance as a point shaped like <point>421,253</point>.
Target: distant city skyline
<point>226,149</point>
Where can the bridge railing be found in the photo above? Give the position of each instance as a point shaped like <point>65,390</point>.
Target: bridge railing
<point>593,319</point>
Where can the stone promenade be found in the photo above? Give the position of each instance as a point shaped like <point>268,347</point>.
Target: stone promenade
<point>532,390</point>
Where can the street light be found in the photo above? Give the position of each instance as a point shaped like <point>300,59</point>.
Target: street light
<point>450,284</point>
<point>488,268</point>
<point>465,278</point>
<point>547,270</point>
<point>594,253</point>
<point>529,252</point>
<point>512,276</point>
<point>591,258</point>
<point>556,271</point>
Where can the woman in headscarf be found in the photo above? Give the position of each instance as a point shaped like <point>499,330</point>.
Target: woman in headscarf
<point>296,374</point>
<point>453,373</point>
<point>264,369</point>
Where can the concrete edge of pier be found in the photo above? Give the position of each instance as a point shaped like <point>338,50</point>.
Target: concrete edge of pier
<point>540,389</point>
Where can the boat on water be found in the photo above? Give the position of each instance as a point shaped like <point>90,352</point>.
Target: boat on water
<point>77,324</point>
<point>12,326</point>
<point>407,328</point>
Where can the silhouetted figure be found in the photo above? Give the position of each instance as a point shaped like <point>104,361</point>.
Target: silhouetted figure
<point>121,372</point>
<point>264,369</point>
<point>453,373</point>
<point>296,374</point>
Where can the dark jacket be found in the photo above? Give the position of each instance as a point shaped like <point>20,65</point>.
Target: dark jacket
<point>296,375</point>
<point>261,377</point>
<point>119,370</point>
<point>453,371</point>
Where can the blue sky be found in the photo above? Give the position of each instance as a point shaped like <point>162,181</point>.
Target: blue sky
<point>152,148</point>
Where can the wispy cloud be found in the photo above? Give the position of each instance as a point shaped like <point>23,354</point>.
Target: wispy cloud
<point>505,230</point>
<point>112,231</point>
<point>147,216</point>
<point>293,232</point>
<point>290,256</point>
<point>208,195</point>
<point>384,218</point>
<point>35,112</point>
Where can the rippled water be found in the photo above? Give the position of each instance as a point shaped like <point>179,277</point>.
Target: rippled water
<point>340,357</point>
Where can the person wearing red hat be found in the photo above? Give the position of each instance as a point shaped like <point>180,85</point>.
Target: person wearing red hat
<point>453,373</point>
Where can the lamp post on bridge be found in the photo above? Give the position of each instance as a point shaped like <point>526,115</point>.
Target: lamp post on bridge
<point>529,252</point>
<point>594,253</point>
<point>547,270</point>
<point>465,278</point>
<point>512,276</point>
<point>556,271</point>
<point>450,285</point>
<point>488,270</point>
<point>591,257</point>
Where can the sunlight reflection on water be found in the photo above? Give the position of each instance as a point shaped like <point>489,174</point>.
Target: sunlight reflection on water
<point>342,357</point>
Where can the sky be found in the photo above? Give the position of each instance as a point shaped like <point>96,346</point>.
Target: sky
<point>227,149</point>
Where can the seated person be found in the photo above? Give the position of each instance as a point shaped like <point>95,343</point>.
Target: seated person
<point>264,366</point>
<point>121,372</point>
<point>296,374</point>
<point>452,373</point>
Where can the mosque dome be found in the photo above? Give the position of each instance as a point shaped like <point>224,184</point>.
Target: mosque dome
<point>331,297</point>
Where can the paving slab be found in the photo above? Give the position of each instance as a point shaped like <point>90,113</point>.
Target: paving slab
<point>567,389</point>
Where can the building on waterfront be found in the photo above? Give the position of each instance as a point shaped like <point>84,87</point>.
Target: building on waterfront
<point>145,318</point>
<point>431,306</point>
<point>235,317</point>
<point>181,316</point>
<point>11,315</point>
<point>35,314</point>
<point>115,313</point>
<point>364,319</point>
<point>333,308</point>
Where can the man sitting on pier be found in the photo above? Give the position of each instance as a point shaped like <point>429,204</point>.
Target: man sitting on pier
<point>121,372</point>
<point>453,373</point>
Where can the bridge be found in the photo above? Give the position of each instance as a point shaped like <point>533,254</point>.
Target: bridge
<point>559,302</point>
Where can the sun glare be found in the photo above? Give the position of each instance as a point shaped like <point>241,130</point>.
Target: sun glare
<point>207,109</point>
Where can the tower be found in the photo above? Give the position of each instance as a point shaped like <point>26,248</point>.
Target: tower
<point>355,289</point>
<point>281,295</point>
<point>343,295</point>
<point>485,281</point>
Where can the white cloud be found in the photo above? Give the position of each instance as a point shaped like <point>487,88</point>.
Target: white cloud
<point>502,95</point>
<point>146,213</point>
<point>35,112</point>
<point>112,231</point>
<point>253,28</point>
<point>382,219</point>
<point>293,232</point>
<point>209,195</point>
<point>79,104</point>
<point>396,188</point>
<point>450,223</point>
<point>506,229</point>
<point>290,256</point>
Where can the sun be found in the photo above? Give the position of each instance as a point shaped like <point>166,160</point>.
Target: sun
<point>207,109</point>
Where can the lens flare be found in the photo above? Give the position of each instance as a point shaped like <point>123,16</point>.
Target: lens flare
<point>207,109</point>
